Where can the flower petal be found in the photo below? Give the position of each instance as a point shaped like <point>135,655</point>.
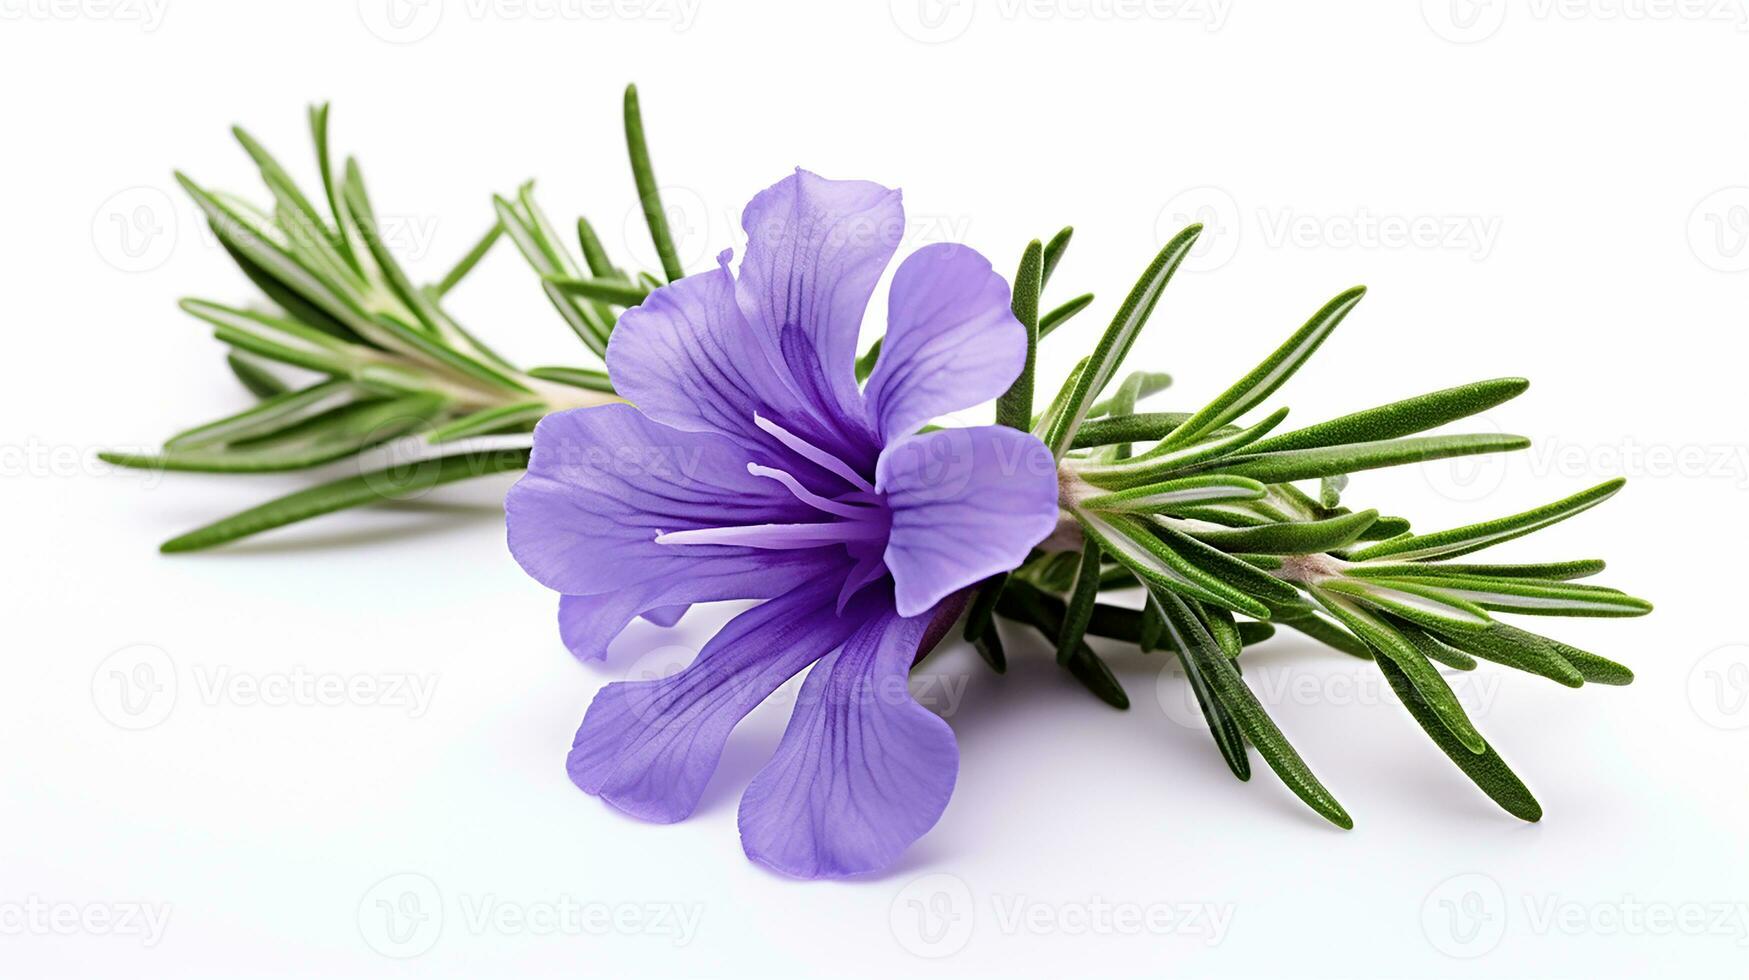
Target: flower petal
<point>648,747</point>
<point>665,616</point>
<point>815,249</point>
<point>603,482</point>
<point>966,504</point>
<point>688,358</point>
<point>588,623</point>
<point>952,342</point>
<point>863,769</point>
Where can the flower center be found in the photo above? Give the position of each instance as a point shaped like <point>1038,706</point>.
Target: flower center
<point>857,518</point>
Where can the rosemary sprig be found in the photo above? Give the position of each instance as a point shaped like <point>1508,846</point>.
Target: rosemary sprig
<point>1200,509</point>
<point>392,365</point>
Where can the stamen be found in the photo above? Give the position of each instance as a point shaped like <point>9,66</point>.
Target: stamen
<point>812,453</point>
<point>778,536</point>
<point>807,496</point>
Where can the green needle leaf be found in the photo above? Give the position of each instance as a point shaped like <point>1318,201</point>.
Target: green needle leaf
<point>990,650</point>
<point>471,259</point>
<point>1327,633</point>
<point>261,382</point>
<point>1265,378</point>
<point>1390,644</point>
<point>648,195</point>
<point>1014,408</point>
<point>1475,537</point>
<point>488,420</point>
<point>1062,314</point>
<point>330,187</point>
<point>1528,596</point>
<point>1187,632</point>
<point>281,339</point>
<point>1515,648</point>
<point>1555,571</point>
<point>392,483</point>
<point>606,290</point>
<point>575,377</point>
<point>1085,386</point>
<point>1418,603</point>
<point>1141,427</point>
<point>1139,385</point>
<point>310,286</point>
<point>1053,254</point>
<point>276,414</point>
<point>1595,669</point>
<point>1026,604</point>
<point>1156,564</point>
<point>1486,769</point>
<point>1093,673</point>
<point>322,439</point>
<point>594,255</point>
<point>1186,491</point>
<point>1290,538</point>
<point>1081,600</point>
<point>1404,418</point>
<point>1168,457</point>
<point>1229,689</point>
<point>1307,464</point>
<point>526,228</point>
<point>305,217</point>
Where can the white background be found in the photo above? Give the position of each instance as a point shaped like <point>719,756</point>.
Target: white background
<point>1575,177</point>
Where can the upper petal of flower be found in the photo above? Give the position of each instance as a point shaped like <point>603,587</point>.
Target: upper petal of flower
<point>815,249</point>
<point>603,482</point>
<point>966,504</point>
<point>688,358</point>
<point>649,747</point>
<point>952,342</point>
<point>862,770</point>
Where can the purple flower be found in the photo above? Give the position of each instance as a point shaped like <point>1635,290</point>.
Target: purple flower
<point>754,468</point>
